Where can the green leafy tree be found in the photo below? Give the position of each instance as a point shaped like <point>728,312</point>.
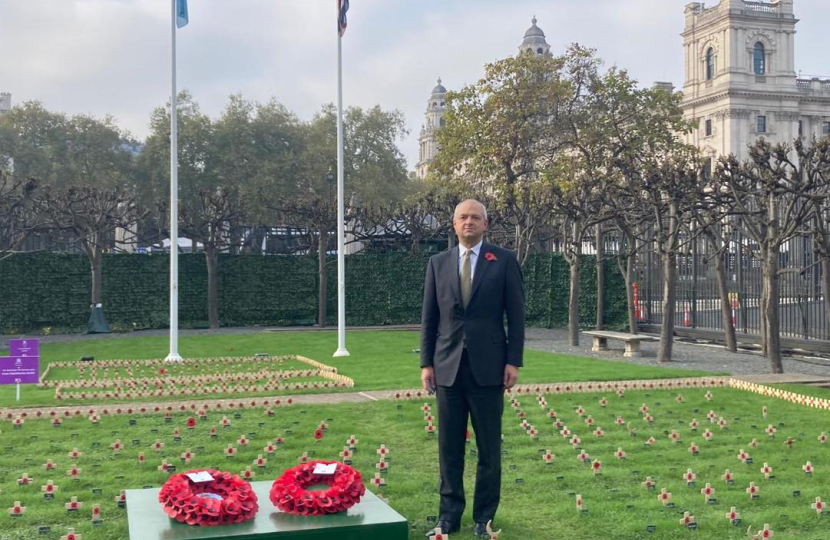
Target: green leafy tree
<point>502,134</point>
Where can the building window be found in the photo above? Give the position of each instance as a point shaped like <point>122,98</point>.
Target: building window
<point>800,128</point>
<point>825,128</point>
<point>707,128</point>
<point>442,122</point>
<point>759,60</point>
<point>707,168</point>
<point>710,64</point>
<point>761,126</point>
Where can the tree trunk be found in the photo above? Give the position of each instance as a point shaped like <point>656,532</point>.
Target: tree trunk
<point>669,256</point>
<point>600,249</point>
<point>212,257</point>
<point>322,277</point>
<point>669,300</point>
<point>725,308</point>
<point>97,276</point>
<point>573,304</point>
<point>770,315</point>
<point>573,301</point>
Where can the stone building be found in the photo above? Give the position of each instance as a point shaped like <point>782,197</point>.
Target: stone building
<point>740,79</point>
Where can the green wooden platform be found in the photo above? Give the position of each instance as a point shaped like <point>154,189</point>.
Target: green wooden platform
<point>370,519</point>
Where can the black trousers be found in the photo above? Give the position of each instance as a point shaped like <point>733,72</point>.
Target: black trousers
<point>484,405</point>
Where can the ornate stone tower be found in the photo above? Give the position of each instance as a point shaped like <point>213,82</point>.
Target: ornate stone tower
<point>433,120</point>
<point>740,78</point>
<point>534,40</point>
<point>5,102</point>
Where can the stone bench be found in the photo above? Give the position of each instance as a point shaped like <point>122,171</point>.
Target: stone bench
<point>632,341</point>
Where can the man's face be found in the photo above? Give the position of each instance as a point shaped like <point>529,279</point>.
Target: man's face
<point>469,222</point>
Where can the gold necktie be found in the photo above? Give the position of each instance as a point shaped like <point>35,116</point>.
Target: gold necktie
<point>466,279</point>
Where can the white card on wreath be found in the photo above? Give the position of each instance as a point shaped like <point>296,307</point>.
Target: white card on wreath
<point>200,476</point>
<point>322,468</point>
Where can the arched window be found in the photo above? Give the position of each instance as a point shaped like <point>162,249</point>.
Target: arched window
<point>759,63</point>
<point>442,122</point>
<point>539,50</point>
<point>710,64</point>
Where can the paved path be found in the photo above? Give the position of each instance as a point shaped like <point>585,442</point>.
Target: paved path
<point>685,355</point>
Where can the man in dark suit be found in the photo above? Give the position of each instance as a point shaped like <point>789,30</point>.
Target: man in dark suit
<point>469,361</point>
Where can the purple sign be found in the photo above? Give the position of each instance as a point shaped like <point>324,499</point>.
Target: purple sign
<point>19,369</point>
<point>24,347</point>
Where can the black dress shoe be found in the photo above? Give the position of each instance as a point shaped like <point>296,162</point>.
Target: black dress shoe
<point>481,531</point>
<point>444,526</point>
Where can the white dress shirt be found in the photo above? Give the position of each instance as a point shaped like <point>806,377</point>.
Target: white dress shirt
<point>473,258</point>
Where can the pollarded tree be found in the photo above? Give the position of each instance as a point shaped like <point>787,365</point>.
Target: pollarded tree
<point>92,215</point>
<point>208,221</point>
<point>643,128</point>
<point>771,193</point>
<point>19,213</point>
<point>816,162</point>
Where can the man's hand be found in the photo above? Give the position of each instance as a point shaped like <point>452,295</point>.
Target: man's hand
<point>511,375</point>
<point>428,379</point>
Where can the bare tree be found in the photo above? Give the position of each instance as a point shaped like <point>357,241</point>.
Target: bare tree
<point>771,194</point>
<point>208,221</point>
<point>92,214</point>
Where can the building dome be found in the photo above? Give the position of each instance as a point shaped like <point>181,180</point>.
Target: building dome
<point>534,40</point>
<point>439,89</point>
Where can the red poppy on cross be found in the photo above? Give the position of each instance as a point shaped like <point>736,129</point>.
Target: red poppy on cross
<point>70,535</point>
<point>16,509</point>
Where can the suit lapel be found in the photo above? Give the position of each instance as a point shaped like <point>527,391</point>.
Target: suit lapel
<point>482,264</point>
<point>454,277</point>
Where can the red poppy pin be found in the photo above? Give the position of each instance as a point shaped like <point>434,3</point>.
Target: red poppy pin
<point>490,256</point>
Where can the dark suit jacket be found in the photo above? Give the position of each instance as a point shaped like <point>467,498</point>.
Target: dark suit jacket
<point>446,325</point>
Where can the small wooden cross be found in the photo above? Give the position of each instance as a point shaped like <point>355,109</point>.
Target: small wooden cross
<point>49,487</point>
<point>73,505</point>
<point>818,506</point>
<point>70,535</point>
<point>766,532</point>
<point>16,509</point>
<point>733,514</point>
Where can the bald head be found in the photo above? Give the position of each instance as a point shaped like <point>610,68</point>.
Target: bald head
<point>470,222</point>
<point>468,202</point>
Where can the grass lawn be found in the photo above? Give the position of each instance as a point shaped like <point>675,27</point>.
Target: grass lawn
<point>537,499</point>
<point>379,359</point>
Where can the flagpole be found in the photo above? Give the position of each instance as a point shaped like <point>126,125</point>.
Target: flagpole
<point>341,206</point>
<point>174,204</point>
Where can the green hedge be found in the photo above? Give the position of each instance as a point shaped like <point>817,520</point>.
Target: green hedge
<point>43,291</point>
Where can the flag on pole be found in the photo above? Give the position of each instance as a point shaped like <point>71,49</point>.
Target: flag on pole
<point>341,16</point>
<point>182,17</point>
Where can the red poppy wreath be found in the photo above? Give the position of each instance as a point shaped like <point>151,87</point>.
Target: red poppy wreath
<point>289,491</point>
<point>225,499</point>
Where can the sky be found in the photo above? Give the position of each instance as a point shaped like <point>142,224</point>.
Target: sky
<point>112,57</point>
